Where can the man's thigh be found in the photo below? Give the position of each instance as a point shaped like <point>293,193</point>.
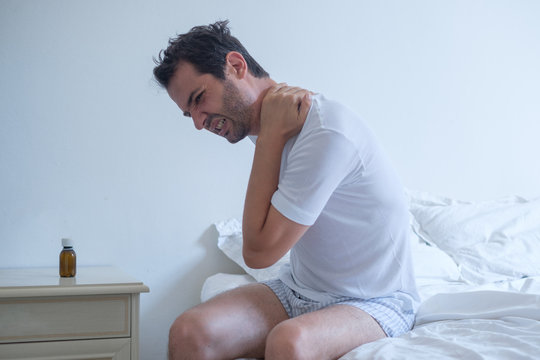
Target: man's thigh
<point>327,333</point>
<point>237,322</point>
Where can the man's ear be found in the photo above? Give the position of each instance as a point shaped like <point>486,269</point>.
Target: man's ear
<point>235,65</point>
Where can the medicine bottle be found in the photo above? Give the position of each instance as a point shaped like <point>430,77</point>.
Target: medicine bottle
<point>68,259</point>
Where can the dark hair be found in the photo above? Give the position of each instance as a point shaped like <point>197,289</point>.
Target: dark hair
<point>206,47</point>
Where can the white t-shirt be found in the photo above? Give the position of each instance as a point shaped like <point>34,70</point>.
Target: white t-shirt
<point>335,177</point>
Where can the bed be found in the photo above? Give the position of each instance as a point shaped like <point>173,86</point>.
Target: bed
<point>477,266</point>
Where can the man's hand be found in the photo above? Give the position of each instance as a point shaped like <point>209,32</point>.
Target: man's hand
<point>284,111</point>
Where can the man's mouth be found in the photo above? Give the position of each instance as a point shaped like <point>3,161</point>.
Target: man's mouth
<point>219,125</point>
<point>221,128</point>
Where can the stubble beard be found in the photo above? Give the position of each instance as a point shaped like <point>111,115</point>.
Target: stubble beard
<point>238,110</point>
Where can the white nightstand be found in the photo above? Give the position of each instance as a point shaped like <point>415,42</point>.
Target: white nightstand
<point>92,316</point>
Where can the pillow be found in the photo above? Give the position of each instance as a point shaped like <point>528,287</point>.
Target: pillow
<point>432,264</point>
<point>490,240</point>
<point>230,242</point>
<point>429,261</point>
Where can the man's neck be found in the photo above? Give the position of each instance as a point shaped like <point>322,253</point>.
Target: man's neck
<point>261,87</point>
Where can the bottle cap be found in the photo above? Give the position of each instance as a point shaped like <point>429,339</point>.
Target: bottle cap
<point>67,242</point>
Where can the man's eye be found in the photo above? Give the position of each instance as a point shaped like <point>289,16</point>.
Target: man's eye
<point>198,98</point>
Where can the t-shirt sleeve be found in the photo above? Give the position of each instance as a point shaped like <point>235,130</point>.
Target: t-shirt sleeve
<point>315,166</point>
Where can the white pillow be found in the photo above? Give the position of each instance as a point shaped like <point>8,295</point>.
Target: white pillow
<point>230,242</point>
<point>429,261</point>
<point>490,240</point>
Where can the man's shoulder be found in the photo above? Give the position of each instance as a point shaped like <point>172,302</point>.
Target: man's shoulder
<point>331,115</point>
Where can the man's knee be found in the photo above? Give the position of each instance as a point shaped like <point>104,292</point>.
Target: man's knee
<point>189,337</point>
<point>287,341</point>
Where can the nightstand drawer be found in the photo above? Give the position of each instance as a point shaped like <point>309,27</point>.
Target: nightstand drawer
<point>64,318</point>
<point>102,349</point>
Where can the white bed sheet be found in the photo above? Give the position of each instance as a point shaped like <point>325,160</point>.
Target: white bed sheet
<point>455,321</point>
<point>466,325</point>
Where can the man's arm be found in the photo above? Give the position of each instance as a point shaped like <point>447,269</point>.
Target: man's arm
<point>267,234</point>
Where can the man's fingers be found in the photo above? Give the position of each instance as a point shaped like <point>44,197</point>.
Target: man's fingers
<point>278,88</point>
<point>283,88</point>
<point>304,106</point>
<point>283,93</point>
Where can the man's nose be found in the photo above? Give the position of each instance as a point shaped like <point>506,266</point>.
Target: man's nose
<point>198,120</point>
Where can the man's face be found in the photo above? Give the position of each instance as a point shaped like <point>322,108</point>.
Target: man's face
<point>213,104</point>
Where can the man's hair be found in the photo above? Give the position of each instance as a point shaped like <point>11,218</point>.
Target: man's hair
<point>206,47</point>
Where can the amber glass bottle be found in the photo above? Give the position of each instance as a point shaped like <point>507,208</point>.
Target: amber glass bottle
<point>68,259</point>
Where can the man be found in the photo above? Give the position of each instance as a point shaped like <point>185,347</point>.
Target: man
<point>320,186</point>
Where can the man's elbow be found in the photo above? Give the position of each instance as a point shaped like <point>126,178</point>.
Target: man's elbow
<point>256,259</point>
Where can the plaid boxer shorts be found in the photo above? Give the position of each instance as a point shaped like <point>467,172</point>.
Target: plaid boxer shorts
<point>391,312</point>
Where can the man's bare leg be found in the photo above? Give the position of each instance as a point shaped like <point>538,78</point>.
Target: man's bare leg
<point>324,334</point>
<point>231,325</point>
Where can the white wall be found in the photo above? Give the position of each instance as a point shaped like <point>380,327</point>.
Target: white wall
<point>91,148</point>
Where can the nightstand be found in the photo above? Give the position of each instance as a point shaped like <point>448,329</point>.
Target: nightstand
<point>94,315</point>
